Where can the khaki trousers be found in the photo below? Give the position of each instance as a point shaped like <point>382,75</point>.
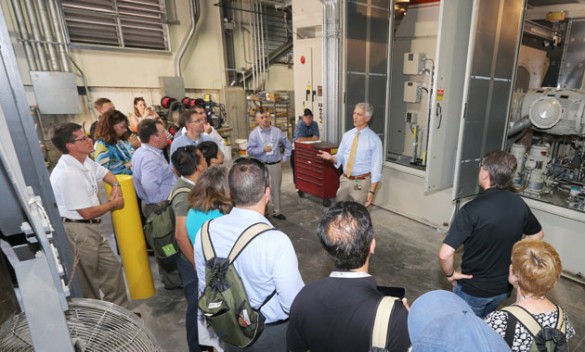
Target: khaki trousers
<point>275,172</point>
<point>347,190</point>
<point>98,268</point>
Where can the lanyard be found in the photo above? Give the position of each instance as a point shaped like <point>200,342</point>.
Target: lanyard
<point>349,274</point>
<point>260,134</point>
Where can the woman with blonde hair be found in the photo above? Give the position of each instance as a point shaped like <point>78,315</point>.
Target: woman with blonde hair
<point>535,269</point>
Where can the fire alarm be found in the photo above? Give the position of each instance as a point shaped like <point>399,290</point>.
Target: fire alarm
<point>302,59</point>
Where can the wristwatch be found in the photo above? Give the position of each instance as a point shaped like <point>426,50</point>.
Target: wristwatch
<point>116,184</point>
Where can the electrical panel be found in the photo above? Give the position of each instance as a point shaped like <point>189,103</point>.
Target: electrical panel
<point>413,63</point>
<point>412,92</point>
<point>412,117</point>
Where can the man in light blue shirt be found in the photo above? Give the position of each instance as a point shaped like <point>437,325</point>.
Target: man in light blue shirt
<point>153,176</point>
<point>264,144</point>
<point>154,180</point>
<point>362,172</point>
<point>194,122</point>
<point>267,264</point>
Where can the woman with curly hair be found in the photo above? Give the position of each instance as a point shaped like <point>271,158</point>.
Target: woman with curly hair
<point>535,269</point>
<point>112,147</point>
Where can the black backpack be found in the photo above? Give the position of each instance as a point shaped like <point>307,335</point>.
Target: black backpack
<point>545,339</point>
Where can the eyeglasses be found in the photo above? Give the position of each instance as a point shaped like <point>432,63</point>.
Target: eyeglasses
<point>82,139</point>
<point>197,121</point>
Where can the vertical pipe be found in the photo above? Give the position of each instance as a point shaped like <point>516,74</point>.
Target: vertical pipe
<point>44,17</point>
<point>28,48</point>
<point>57,22</point>
<point>264,58</point>
<point>258,58</point>
<point>36,35</point>
<point>253,33</point>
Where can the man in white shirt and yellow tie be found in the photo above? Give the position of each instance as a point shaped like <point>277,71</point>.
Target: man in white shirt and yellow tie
<point>360,153</point>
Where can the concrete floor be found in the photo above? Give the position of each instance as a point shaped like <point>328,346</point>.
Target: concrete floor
<point>406,255</point>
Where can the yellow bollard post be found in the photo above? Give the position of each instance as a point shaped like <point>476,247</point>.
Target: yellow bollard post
<point>130,238</point>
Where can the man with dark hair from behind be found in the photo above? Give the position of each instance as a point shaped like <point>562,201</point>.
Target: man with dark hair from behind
<point>211,152</point>
<point>267,264</point>
<point>154,180</point>
<point>74,181</point>
<point>189,163</point>
<point>337,313</point>
<point>488,227</point>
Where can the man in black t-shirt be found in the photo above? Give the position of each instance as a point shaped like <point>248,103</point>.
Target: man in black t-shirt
<point>488,227</point>
<point>337,313</point>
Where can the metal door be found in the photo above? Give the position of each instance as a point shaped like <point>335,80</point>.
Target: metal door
<point>366,41</point>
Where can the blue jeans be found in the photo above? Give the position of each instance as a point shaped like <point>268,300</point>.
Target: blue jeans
<point>189,276</point>
<point>481,306</point>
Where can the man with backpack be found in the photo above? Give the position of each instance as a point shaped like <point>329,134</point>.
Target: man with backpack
<point>154,180</point>
<point>267,265</point>
<point>189,163</point>
<point>339,313</point>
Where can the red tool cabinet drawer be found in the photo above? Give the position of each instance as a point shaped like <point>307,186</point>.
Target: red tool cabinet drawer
<point>314,175</point>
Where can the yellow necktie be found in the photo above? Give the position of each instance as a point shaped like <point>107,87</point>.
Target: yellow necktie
<point>352,153</point>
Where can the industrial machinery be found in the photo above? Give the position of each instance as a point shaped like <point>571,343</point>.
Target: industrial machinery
<point>171,108</point>
<point>550,145</point>
<point>93,325</point>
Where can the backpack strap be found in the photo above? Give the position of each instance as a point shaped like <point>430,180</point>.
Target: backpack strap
<point>382,322</point>
<point>525,318</point>
<point>561,320</point>
<point>206,244</point>
<point>177,192</point>
<point>246,237</point>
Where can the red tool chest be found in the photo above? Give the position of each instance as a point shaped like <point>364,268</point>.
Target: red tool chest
<point>314,175</point>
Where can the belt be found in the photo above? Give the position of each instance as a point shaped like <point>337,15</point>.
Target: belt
<point>265,163</point>
<point>278,322</point>
<point>358,177</point>
<point>83,221</point>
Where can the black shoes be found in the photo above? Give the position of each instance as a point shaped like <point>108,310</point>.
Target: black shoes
<point>279,216</point>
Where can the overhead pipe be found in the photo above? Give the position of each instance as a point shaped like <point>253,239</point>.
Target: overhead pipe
<point>29,50</point>
<point>58,29</point>
<point>275,55</point>
<point>195,12</point>
<point>44,18</point>
<point>34,25</point>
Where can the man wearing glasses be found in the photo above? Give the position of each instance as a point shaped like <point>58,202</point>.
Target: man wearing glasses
<point>74,181</point>
<point>488,227</point>
<point>154,180</point>
<point>194,121</point>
